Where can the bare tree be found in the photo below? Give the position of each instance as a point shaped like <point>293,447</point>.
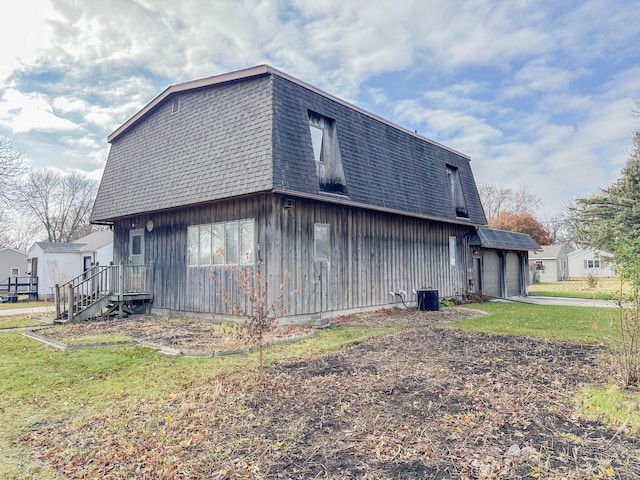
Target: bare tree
<point>12,167</point>
<point>496,200</point>
<point>18,231</point>
<point>61,203</point>
<point>564,225</point>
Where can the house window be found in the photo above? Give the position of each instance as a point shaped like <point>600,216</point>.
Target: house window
<point>456,192</point>
<point>321,242</point>
<point>452,251</point>
<point>326,153</point>
<point>221,243</point>
<point>15,272</point>
<point>175,105</point>
<point>317,134</point>
<point>593,263</point>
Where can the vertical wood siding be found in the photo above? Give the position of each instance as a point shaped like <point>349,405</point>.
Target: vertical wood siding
<point>371,254</point>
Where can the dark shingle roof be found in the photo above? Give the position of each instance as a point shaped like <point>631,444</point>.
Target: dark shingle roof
<point>248,132</point>
<point>503,240</point>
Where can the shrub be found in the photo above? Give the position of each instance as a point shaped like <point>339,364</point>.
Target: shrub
<point>261,316</point>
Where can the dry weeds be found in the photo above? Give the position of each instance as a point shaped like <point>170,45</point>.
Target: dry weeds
<point>425,402</point>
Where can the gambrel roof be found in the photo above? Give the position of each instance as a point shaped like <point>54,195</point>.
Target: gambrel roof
<point>503,240</point>
<point>248,132</point>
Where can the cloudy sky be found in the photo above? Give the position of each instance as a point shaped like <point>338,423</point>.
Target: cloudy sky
<point>540,93</point>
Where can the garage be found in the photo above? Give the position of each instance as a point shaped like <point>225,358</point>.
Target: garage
<point>503,259</point>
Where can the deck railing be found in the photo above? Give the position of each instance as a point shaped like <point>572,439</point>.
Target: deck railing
<point>19,285</point>
<point>98,282</point>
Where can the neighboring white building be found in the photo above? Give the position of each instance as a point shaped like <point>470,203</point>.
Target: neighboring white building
<point>552,263</point>
<point>589,261</point>
<point>56,263</point>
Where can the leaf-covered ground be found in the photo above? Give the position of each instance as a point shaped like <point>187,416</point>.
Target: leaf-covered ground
<point>425,402</point>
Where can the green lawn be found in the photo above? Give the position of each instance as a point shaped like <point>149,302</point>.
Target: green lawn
<point>605,289</point>
<point>545,321</point>
<point>25,304</point>
<point>40,384</point>
<point>18,321</point>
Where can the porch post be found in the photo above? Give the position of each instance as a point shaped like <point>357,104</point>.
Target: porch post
<point>58,311</point>
<point>71,304</point>
<point>120,288</point>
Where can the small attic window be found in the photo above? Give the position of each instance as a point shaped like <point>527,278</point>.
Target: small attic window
<point>456,192</point>
<point>317,135</point>
<point>326,153</point>
<point>175,106</point>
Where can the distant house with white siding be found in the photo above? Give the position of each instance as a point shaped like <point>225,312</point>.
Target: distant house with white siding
<point>590,261</point>
<point>58,262</point>
<point>551,263</point>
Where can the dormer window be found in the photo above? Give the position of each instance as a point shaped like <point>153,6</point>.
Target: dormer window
<point>456,192</point>
<point>326,153</point>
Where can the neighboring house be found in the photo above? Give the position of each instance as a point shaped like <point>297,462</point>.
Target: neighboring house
<point>55,263</point>
<point>501,262</point>
<point>551,264</point>
<point>14,276</point>
<point>13,263</point>
<point>353,206</point>
<point>589,261</point>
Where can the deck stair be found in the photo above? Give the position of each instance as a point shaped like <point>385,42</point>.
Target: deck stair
<point>104,291</point>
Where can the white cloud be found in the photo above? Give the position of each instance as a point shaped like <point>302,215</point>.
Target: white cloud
<point>31,112</point>
<point>540,97</point>
<point>24,32</point>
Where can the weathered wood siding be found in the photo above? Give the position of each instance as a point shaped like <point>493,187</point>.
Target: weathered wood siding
<point>371,254</point>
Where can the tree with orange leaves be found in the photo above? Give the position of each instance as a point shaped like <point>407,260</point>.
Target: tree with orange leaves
<point>522,223</point>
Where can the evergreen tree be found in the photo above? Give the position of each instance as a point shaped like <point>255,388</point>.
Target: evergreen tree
<point>613,214</point>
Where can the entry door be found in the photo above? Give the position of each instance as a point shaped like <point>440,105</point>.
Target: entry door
<point>136,260</point>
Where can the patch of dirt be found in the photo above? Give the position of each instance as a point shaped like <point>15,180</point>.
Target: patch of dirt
<point>424,402</point>
<point>187,334</point>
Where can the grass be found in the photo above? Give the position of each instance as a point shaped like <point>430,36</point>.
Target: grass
<point>40,384</point>
<point>18,321</point>
<point>616,408</point>
<point>25,304</point>
<point>606,289</point>
<point>543,321</point>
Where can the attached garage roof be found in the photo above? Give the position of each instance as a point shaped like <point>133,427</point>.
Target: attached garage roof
<point>503,240</point>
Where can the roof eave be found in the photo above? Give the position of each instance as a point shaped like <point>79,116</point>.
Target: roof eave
<point>341,200</point>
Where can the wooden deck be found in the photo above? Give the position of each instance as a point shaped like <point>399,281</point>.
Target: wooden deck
<point>104,291</point>
<point>11,287</point>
